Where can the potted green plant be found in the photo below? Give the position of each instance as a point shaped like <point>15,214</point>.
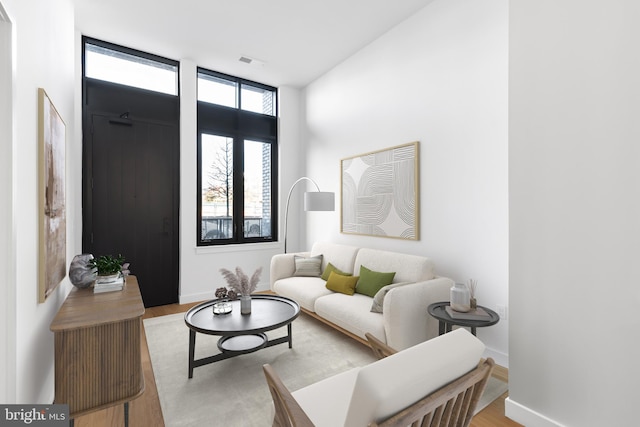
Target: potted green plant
<point>107,266</point>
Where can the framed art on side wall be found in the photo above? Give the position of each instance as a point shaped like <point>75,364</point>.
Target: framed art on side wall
<point>51,197</point>
<point>380,193</point>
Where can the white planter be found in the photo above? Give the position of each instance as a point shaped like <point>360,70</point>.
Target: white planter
<point>460,298</point>
<point>245,304</point>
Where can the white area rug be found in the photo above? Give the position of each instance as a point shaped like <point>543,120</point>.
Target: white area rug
<point>234,392</point>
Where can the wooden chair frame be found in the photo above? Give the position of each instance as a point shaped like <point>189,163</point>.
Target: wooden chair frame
<point>380,349</point>
<point>452,405</point>
<point>288,411</point>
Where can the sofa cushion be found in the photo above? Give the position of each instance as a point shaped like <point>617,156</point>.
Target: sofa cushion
<point>341,256</point>
<point>308,266</point>
<point>352,313</point>
<point>371,282</point>
<point>408,268</point>
<point>341,283</point>
<point>329,269</point>
<point>303,290</point>
<point>391,384</point>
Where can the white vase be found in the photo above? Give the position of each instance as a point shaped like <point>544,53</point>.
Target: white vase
<point>245,304</point>
<point>460,298</point>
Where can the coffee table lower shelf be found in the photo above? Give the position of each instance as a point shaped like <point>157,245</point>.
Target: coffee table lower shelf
<point>232,346</point>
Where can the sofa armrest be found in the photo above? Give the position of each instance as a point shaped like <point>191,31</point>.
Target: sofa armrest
<point>283,266</point>
<point>405,316</point>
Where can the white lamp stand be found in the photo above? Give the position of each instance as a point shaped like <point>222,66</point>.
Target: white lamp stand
<point>313,201</point>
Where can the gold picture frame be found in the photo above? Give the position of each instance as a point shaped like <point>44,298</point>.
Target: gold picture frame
<point>380,193</point>
<point>51,197</point>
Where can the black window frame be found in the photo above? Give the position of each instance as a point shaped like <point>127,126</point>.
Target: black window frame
<point>156,59</point>
<point>239,125</point>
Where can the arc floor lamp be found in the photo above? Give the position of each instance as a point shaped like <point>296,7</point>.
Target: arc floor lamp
<point>313,201</point>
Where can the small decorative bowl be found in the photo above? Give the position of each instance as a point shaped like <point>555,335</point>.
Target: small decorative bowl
<point>222,307</point>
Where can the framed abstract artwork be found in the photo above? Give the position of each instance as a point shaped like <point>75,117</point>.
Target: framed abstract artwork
<point>380,193</point>
<point>51,193</point>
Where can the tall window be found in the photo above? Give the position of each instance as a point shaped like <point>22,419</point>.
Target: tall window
<point>237,170</point>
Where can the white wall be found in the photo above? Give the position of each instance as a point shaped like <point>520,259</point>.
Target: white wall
<point>439,78</point>
<point>291,167</point>
<point>44,57</point>
<point>574,103</point>
<point>7,239</point>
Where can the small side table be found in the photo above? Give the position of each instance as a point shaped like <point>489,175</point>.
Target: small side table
<point>438,311</point>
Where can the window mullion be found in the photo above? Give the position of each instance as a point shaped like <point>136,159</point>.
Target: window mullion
<point>238,180</point>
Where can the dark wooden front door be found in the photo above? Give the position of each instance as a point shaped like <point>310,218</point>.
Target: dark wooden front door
<point>134,200</point>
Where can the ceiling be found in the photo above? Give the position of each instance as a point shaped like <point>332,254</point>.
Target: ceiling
<point>293,41</point>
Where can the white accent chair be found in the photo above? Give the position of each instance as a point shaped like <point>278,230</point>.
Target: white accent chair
<point>438,383</point>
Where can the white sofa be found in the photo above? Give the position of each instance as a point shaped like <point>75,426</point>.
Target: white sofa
<point>404,320</point>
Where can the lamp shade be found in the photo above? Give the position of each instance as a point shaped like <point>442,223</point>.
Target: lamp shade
<point>319,201</point>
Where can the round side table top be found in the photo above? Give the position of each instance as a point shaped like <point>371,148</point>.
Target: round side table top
<point>438,310</point>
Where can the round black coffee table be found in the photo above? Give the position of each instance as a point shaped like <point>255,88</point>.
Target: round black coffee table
<point>240,333</point>
<point>439,311</point>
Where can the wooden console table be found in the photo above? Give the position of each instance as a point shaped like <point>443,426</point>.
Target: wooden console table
<point>97,349</point>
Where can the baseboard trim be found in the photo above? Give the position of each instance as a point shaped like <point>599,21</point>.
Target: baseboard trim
<point>187,299</point>
<point>526,416</point>
<point>206,296</point>
<point>500,358</point>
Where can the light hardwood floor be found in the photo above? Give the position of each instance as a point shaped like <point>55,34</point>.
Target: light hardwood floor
<point>145,411</point>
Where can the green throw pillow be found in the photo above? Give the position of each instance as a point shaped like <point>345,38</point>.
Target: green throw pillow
<point>311,266</point>
<point>343,284</point>
<point>329,269</point>
<point>372,281</point>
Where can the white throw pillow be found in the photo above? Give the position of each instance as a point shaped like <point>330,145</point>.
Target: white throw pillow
<point>310,267</point>
<point>378,298</point>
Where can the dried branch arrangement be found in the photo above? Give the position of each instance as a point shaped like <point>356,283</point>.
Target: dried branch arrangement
<point>240,282</point>
<point>472,284</point>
